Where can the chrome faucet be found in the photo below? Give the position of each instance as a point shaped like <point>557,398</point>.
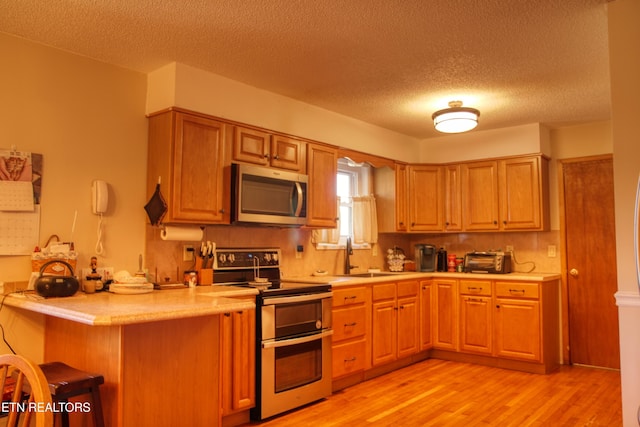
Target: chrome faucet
<point>347,261</point>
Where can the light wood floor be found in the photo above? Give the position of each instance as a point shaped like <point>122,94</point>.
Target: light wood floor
<point>443,393</point>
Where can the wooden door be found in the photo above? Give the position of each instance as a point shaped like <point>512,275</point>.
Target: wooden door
<point>251,145</point>
<point>322,199</point>
<point>425,198</point>
<point>402,203</point>
<point>426,316</point>
<point>517,329</point>
<point>476,324</point>
<point>452,198</point>
<point>384,331</point>
<point>288,153</point>
<point>480,195</point>
<point>446,314</point>
<point>520,195</point>
<point>408,326</point>
<point>589,225</point>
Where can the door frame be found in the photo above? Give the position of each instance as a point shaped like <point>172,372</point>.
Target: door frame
<point>564,288</point>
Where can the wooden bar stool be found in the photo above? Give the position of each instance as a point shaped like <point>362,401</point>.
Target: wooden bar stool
<point>65,382</point>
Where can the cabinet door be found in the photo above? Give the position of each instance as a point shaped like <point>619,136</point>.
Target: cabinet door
<point>520,193</point>
<point>384,332</point>
<point>446,319</point>
<point>480,195</point>
<point>408,326</point>
<point>452,198</point>
<point>197,176</point>
<point>425,198</point>
<point>402,203</point>
<point>238,361</point>
<point>288,153</point>
<point>251,146</point>
<point>517,325</point>
<point>426,315</point>
<point>476,324</point>
<point>322,199</point>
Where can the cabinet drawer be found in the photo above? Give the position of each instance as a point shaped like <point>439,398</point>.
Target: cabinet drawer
<point>475,287</point>
<point>348,358</point>
<point>517,290</point>
<point>407,289</point>
<point>349,296</point>
<point>349,323</point>
<point>384,291</point>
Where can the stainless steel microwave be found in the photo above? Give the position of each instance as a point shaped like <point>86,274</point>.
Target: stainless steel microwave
<point>268,196</point>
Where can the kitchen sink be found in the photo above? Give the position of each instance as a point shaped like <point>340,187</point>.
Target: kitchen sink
<point>369,274</point>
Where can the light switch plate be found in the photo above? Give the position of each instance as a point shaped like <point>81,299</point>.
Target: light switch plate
<point>551,251</point>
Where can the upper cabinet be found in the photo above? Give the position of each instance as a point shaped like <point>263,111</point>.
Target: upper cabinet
<point>506,194</point>
<point>426,201</point>
<point>452,198</point>
<point>268,149</point>
<point>186,151</point>
<point>322,199</point>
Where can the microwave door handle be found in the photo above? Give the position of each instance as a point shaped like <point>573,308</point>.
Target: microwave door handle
<point>298,208</point>
<point>295,341</point>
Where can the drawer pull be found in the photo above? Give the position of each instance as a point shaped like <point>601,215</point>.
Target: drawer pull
<point>517,291</point>
<point>350,297</point>
<point>474,300</point>
<point>346,325</point>
<point>352,359</point>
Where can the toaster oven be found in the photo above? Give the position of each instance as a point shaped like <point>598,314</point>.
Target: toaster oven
<point>487,262</point>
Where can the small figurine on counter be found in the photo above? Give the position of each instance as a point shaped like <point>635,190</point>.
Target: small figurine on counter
<point>94,275</point>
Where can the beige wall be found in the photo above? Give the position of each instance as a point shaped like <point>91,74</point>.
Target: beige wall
<point>624,34</point>
<point>87,119</point>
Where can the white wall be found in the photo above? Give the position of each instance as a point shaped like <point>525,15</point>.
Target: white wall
<point>624,34</point>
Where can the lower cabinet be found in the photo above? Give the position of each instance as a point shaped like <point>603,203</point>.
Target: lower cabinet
<point>476,317</point>
<point>350,320</point>
<point>426,315</point>
<point>445,304</point>
<point>395,321</point>
<point>237,360</point>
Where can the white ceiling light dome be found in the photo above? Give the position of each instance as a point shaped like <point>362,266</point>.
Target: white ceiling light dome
<point>456,118</point>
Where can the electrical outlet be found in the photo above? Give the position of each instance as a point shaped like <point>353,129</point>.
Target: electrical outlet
<point>551,251</point>
<point>187,253</point>
<point>299,250</point>
<point>509,249</point>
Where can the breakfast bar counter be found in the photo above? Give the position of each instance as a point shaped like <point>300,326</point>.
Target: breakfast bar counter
<point>158,352</point>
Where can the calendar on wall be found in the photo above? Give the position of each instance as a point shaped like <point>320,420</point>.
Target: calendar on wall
<point>20,190</point>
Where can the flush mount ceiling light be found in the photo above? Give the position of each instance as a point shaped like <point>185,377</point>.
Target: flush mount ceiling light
<point>456,118</point>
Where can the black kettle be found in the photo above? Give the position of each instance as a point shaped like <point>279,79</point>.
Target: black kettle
<point>441,260</point>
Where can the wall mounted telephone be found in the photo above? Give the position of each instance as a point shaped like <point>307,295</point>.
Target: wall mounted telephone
<point>99,197</point>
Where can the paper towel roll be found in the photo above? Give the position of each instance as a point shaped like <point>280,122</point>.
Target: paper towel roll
<point>191,234</point>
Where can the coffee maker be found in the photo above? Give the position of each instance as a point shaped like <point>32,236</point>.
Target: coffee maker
<point>425,257</point>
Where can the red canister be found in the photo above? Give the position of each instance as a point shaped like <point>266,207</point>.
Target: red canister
<point>451,263</point>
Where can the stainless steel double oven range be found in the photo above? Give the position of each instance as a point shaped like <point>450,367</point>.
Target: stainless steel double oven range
<point>293,330</point>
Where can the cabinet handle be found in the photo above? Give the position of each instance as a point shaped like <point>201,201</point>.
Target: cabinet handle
<point>350,324</point>
<point>266,156</point>
<point>495,222</point>
<point>474,300</point>
<point>413,224</point>
<point>504,222</point>
<point>497,305</point>
<point>517,291</point>
<point>474,289</point>
<point>276,157</point>
<point>353,359</point>
<point>350,297</point>
<point>227,315</point>
<point>221,211</point>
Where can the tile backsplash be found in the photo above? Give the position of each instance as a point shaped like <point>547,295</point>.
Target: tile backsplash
<point>164,258</point>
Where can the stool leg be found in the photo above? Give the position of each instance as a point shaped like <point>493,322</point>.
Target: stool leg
<point>98,419</point>
<point>64,415</point>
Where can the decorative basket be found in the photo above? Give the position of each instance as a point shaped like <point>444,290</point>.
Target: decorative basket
<point>395,259</point>
<point>52,252</point>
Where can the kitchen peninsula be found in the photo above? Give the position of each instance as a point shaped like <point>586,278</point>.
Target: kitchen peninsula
<point>159,352</point>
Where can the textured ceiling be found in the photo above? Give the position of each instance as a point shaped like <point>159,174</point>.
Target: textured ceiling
<point>391,63</point>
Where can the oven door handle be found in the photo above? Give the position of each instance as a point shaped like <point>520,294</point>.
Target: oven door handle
<point>296,298</point>
<point>295,341</point>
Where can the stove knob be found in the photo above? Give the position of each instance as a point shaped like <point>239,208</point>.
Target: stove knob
<point>275,257</point>
<point>222,258</point>
<point>267,257</point>
<point>232,258</point>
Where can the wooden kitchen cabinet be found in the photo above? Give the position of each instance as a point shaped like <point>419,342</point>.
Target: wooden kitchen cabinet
<point>506,194</point>
<point>350,330</point>
<point>480,195</point>
<point>518,321</point>
<point>237,361</point>
<point>426,201</point>
<point>452,198</point>
<point>476,316</point>
<point>426,315</point>
<point>268,149</point>
<point>322,198</point>
<point>395,321</point>
<point>524,193</point>
<point>186,151</point>
<point>445,303</point>
<point>402,197</point>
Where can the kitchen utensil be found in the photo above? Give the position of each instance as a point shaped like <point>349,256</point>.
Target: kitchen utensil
<point>140,272</point>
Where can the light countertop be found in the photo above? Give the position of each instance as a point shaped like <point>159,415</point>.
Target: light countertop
<point>106,308</point>
<point>337,281</point>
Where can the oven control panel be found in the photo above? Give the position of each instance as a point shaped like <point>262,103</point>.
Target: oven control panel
<point>233,258</point>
